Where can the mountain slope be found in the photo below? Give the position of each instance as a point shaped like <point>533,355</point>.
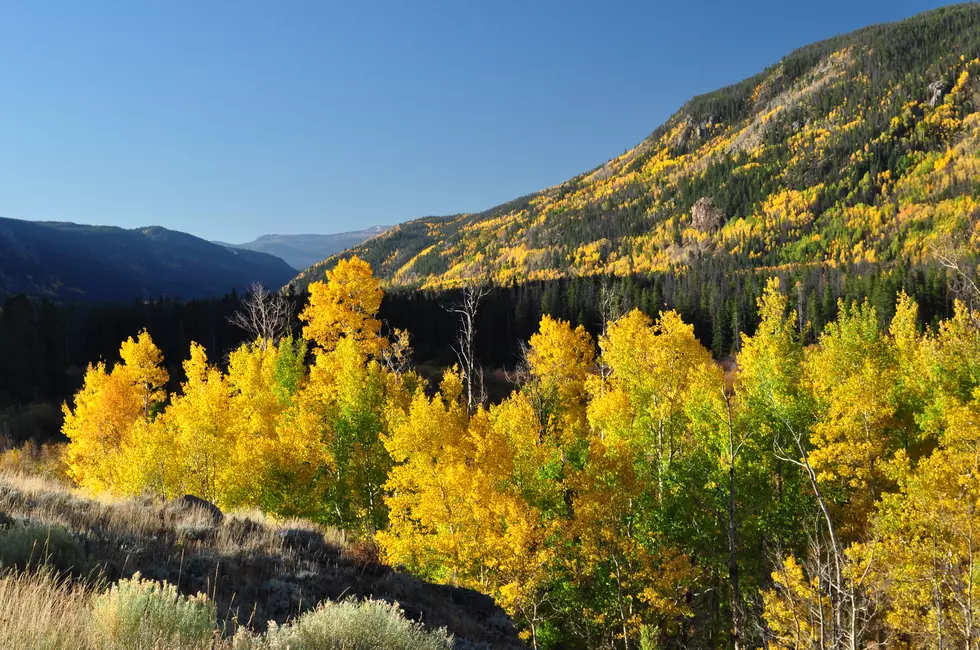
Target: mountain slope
<point>302,251</point>
<point>862,149</point>
<point>66,261</point>
<point>257,571</point>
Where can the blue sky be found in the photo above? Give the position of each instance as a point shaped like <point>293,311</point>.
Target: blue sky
<point>233,119</point>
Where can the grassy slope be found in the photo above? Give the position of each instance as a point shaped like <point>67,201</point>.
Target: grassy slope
<point>253,569</point>
<point>833,156</point>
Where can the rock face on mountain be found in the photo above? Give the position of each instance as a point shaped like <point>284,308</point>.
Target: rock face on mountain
<point>846,153</point>
<point>71,262</point>
<point>705,217</point>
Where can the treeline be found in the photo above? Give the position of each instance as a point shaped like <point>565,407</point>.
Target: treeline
<point>629,492</point>
<point>45,346</point>
<point>718,300</point>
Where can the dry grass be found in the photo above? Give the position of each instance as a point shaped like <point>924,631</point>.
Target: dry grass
<point>253,569</point>
<point>40,611</point>
<point>30,458</point>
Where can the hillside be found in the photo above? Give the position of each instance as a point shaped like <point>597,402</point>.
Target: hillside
<point>302,251</point>
<point>855,151</point>
<point>252,568</point>
<point>67,261</point>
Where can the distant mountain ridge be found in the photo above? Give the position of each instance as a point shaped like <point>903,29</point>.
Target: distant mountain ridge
<point>302,251</point>
<point>72,262</point>
<point>859,151</point>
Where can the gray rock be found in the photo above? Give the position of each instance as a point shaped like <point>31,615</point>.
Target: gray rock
<point>705,216</point>
<point>938,90</point>
<point>242,529</point>
<point>189,501</point>
<point>301,538</point>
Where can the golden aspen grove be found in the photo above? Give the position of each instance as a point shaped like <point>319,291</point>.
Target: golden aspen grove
<point>630,492</point>
<point>721,391</point>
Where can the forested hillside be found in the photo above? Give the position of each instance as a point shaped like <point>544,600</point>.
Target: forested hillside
<point>860,152</point>
<point>77,263</point>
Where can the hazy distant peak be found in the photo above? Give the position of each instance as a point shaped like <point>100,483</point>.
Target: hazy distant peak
<point>302,251</point>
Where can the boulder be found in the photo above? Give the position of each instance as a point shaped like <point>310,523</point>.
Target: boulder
<point>242,529</point>
<point>705,216</point>
<point>189,501</point>
<point>937,89</point>
<point>302,538</point>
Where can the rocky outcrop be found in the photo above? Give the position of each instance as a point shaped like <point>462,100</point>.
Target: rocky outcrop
<point>705,216</point>
<point>191,502</point>
<point>937,89</point>
<point>694,131</point>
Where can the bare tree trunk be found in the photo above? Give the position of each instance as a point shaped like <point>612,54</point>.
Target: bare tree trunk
<point>267,316</point>
<point>465,344</point>
<point>733,568</point>
<point>843,595</point>
<point>962,282</point>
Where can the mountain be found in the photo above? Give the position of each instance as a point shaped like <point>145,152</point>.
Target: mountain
<point>861,150</point>
<point>302,251</point>
<point>67,261</point>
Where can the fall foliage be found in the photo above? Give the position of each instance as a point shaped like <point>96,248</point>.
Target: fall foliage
<point>629,491</point>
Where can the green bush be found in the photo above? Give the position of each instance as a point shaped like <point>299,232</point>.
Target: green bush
<point>142,614</point>
<point>23,545</point>
<point>348,625</point>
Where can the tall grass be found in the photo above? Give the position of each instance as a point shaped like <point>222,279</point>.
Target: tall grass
<point>40,611</point>
<point>43,611</point>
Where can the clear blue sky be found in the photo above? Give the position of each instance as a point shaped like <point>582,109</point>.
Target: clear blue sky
<point>234,119</point>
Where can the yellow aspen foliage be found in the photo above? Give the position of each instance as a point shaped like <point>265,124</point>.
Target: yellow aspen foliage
<point>853,376</point>
<point>200,420</point>
<point>430,447</point>
<point>548,414</point>
<point>144,362</point>
<point>907,340</point>
<point>927,536</point>
<point>345,307</point>
<point>561,358</point>
<point>272,460</point>
<point>150,462</point>
<point>770,363</point>
<point>789,612</point>
<point>98,427</point>
<point>453,516</point>
<point>952,356</point>
<point>654,365</point>
<point>637,578</point>
<point>640,426</point>
<point>101,427</point>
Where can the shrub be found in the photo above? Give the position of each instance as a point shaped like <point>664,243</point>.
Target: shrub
<point>31,459</point>
<point>142,614</point>
<point>348,625</point>
<point>23,545</point>
<point>363,554</point>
